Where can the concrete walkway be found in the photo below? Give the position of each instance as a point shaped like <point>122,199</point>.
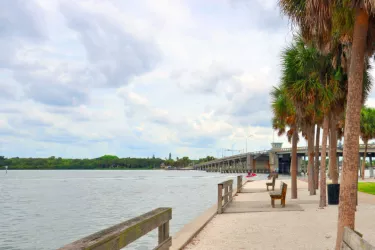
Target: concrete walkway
<point>301,225</point>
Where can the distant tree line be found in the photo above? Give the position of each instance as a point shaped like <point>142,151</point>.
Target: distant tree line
<point>185,161</point>
<point>104,162</point>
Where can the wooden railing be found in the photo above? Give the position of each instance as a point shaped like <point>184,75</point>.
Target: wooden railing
<point>225,190</point>
<point>239,183</point>
<point>121,235</point>
<point>352,240</point>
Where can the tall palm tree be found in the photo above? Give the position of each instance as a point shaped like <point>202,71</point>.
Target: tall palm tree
<point>316,161</point>
<point>337,111</point>
<point>331,97</point>
<point>323,183</point>
<point>367,127</point>
<point>304,70</point>
<point>284,120</point>
<point>352,22</point>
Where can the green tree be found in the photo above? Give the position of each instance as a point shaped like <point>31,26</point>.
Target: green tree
<point>367,127</point>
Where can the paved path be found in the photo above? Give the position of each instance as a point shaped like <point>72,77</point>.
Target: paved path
<point>312,228</point>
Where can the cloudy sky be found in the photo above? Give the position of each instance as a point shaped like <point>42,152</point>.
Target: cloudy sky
<point>136,78</point>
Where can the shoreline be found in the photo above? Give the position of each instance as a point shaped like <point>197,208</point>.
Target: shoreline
<point>133,169</point>
<point>190,230</point>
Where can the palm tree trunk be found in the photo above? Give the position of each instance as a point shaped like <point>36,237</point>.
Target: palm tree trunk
<point>333,173</point>
<point>294,163</point>
<point>316,166</point>
<point>348,185</point>
<point>323,196</point>
<point>310,166</point>
<point>364,161</point>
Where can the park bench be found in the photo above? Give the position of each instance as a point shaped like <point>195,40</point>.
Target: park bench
<point>279,195</point>
<point>352,240</point>
<point>272,183</point>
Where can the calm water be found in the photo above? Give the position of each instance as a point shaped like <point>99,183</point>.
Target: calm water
<point>47,209</point>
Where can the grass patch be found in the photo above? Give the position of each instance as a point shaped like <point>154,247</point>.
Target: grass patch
<point>367,187</point>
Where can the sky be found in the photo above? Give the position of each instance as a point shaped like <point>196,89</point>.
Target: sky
<point>82,79</point>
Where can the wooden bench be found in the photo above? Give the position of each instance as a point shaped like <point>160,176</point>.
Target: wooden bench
<point>279,195</point>
<point>352,240</point>
<point>272,184</point>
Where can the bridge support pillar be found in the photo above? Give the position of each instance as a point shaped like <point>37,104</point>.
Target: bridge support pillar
<point>273,161</point>
<point>254,165</point>
<point>249,162</point>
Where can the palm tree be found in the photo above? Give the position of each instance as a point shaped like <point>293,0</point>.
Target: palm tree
<point>284,117</point>
<point>337,110</point>
<point>367,127</point>
<point>316,162</point>
<point>304,70</point>
<point>331,97</point>
<point>323,181</point>
<point>353,23</point>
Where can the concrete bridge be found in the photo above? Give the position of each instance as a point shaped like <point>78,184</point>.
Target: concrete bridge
<point>276,158</point>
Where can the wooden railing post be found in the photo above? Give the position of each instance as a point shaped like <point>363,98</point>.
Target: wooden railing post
<point>164,239</point>
<point>239,183</point>
<point>226,194</point>
<point>163,232</point>
<point>220,198</point>
<point>230,187</point>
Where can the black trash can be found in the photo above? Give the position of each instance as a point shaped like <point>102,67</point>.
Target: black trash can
<point>333,194</point>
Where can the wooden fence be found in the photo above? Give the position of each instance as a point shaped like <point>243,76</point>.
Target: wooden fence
<point>121,235</point>
<point>225,193</point>
<point>239,183</point>
<point>353,240</point>
<point>225,190</point>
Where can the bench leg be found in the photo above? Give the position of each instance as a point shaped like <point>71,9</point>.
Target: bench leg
<point>273,202</point>
<point>267,187</point>
<point>283,202</point>
<point>273,188</point>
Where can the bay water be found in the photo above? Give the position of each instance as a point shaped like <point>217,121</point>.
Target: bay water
<point>46,209</point>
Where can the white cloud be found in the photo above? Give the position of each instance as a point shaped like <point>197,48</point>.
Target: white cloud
<point>137,78</point>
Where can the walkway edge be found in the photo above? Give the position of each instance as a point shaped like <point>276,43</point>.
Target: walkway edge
<point>183,237</point>
<point>189,231</point>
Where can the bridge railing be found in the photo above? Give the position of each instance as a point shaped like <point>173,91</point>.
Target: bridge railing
<point>232,157</point>
<point>361,146</point>
<point>121,235</point>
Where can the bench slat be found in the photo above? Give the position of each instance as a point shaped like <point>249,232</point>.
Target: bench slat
<point>354,241</point>
<point>344,246</point>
